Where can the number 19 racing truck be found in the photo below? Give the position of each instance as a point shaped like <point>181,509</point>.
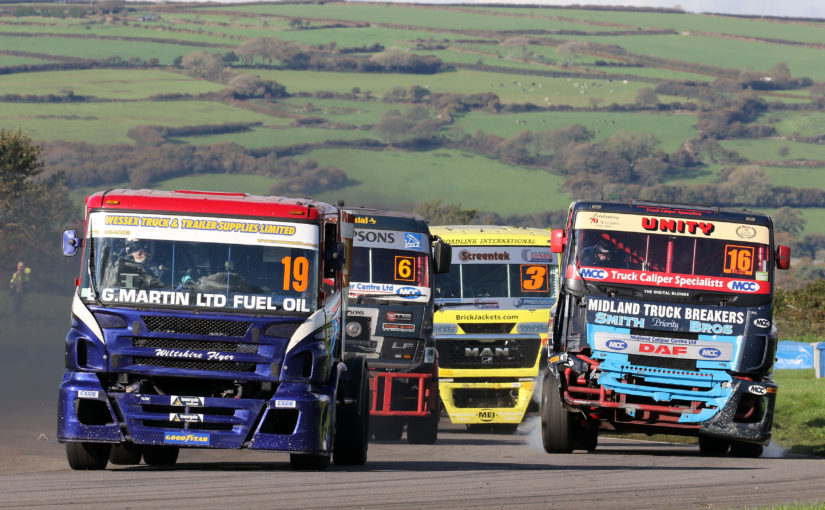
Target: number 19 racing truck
<point>210,320</point>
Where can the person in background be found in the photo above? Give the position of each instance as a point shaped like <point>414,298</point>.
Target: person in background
<point>18,285</point>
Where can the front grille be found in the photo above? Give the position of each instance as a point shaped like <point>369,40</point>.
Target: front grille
<point>161,424</point>
<point>188,364</point>
<point>484,397</point>
<point>521,353</point>
<point>495,328</point>
<point>187,326</point>
<point>638,360</point>
<point>194,345</point>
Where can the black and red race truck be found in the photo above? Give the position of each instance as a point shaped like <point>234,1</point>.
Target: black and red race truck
<point>390,320</point>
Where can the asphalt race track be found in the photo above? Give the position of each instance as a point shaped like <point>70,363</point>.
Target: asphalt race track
<point>462,470</point>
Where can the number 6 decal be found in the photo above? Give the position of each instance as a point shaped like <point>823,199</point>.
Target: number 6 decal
<point>405,269</point>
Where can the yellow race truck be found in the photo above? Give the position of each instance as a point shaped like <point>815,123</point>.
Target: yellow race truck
<point>491,323</point>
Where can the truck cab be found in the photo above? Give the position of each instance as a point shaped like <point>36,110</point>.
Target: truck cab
<point>390,320</point>
<point>210,320</point>
<point>664,325</point>
<point>491,323</point>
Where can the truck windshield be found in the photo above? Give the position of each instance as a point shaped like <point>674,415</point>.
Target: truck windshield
<point>389,273</point>
<point>673,253</point>
<point>518,276</point>
<point>195,262</point>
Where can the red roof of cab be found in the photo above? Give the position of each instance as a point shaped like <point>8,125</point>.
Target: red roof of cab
<point>208,202</point>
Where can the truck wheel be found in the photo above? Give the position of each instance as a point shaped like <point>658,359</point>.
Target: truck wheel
<point>125,454</point>
<point>83,455</point>
<point>423,430</point>
<point>387,428</point>
<point>308,462</point>
<point>352,420</point>
<point>556,422</point>
<point>713,446</point>
<point>745,450</point>
<point>586,438</point>
<point>157,455</point>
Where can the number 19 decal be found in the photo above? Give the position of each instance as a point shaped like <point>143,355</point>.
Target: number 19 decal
<point>534,278</point>
<point>296,273</point>
<point>405,269</point>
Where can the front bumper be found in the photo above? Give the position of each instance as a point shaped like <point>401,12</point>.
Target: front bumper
<point>482,396</point>
<point>296,419</point>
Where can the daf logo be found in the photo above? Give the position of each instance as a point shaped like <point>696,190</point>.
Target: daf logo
<point>762,323</point>
<point>593,274</point>
<point>616,345</point>
<point>486,415</point>
<point>757,390</point>
<point>743,286</point>
<point>710,352</point>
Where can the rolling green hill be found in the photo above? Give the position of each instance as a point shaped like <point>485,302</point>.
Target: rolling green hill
<point>721,91</point>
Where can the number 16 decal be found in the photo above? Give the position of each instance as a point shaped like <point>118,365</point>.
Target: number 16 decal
<point>405,269</point>
<point>534,278</point>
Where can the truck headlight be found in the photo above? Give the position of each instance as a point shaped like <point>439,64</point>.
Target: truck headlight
<point>532,327</point>
<point>445,328</point>
<point>354,329</point>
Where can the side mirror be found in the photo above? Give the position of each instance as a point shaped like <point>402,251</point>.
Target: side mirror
<point>442,256</point>
<point>783,257</point>
<point>71,243</point>
<point>557,240</point>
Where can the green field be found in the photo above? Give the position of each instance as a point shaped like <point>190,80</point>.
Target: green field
<point>109,123</point>
<point>389,178</point>
<point>121,84</point>
<point>526,72</point>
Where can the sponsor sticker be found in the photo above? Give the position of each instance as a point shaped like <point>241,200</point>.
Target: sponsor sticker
<point>397,327</point>
<point>757,390</point>
<point>486,415</point>
<point>762,323</point>
<point>684,348</point>
<point>285,404</point>
<point>408,292</point>
<point>195,438</point>
<point>175,400</point>
<point>412,240</point>
<point>87,393</point>
<point>185,417</point>
<point>398,316</point>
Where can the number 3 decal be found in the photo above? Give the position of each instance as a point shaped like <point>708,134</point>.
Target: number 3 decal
<point>534,278</point>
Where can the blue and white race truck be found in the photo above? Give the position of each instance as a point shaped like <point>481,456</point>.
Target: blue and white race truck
<point>210,320</point>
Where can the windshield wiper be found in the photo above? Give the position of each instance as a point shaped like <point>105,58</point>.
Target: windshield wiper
<point>449,304</point>
<point>384,295</point>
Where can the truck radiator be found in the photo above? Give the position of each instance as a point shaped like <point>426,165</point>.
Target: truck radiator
<point>189,326</point>
<point>485,397</point>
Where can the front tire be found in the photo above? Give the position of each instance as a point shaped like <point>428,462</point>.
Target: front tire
<point>157,455</point>
<point>126,454</point>
<point>745,450</point>
<point>423,430</point>
<point>88,456</point>
<point>308,462</point>
<point>352,420</point>
<point>710,446</point>
<point>556,422</point>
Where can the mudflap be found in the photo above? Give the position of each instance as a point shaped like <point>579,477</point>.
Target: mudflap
<point>727,425</point>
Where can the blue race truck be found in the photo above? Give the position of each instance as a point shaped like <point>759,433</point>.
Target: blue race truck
<point>390,320</point>
<point>210,320</point>
<point>664,324</point>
